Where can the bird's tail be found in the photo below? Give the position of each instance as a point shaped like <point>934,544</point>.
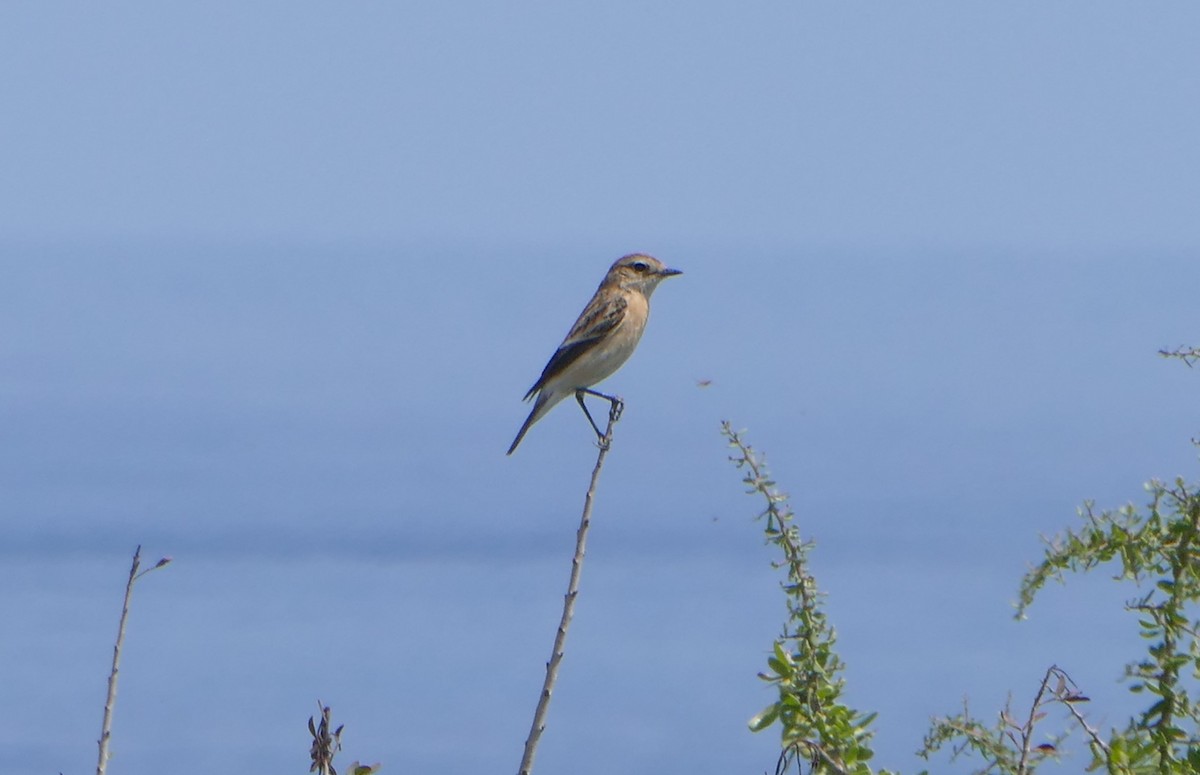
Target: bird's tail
<point>540,406</point>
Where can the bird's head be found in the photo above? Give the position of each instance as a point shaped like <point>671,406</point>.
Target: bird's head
<point>638,271</point>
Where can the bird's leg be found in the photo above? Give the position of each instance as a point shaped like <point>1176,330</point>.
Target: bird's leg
<point>579,397</point>
<point>616,406</point>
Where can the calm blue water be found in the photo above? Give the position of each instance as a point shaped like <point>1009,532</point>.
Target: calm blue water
<point>316,437</point>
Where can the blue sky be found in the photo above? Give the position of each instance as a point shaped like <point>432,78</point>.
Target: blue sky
<point>947,123</point>
<point>276,276</point>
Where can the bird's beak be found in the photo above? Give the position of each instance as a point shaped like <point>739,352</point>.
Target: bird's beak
<point>668,272</point>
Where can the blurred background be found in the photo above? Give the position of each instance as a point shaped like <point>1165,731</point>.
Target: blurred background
<point>275,276</point>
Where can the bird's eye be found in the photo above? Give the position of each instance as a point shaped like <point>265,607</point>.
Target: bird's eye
<point>640,266</point>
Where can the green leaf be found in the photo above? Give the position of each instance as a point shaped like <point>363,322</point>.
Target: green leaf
<point>764,718</point>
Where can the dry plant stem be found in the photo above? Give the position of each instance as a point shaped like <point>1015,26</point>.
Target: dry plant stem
<point>110,701</point>
<point>1034,714</point>
<point>325,745</point>
<point>560,637</point>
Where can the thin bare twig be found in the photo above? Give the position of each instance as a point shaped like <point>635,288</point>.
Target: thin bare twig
<point>110,700</point>
<point>560,637</point>
<point>1035,715</point>
<point>1189,355</point>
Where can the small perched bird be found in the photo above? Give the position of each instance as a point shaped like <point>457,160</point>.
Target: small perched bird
<point>603,338</point>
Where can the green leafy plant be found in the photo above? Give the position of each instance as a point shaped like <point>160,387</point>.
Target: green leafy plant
<point>1157,550</point>
<point>816,726</point>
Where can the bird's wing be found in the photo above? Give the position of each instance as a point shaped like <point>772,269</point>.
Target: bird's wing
<point>601,316</point>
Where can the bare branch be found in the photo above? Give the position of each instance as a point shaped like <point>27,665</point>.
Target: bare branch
<point>110,700</point>
<point>560,637</point>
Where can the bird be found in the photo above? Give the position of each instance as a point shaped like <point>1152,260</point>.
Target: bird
<point>602,339</point>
